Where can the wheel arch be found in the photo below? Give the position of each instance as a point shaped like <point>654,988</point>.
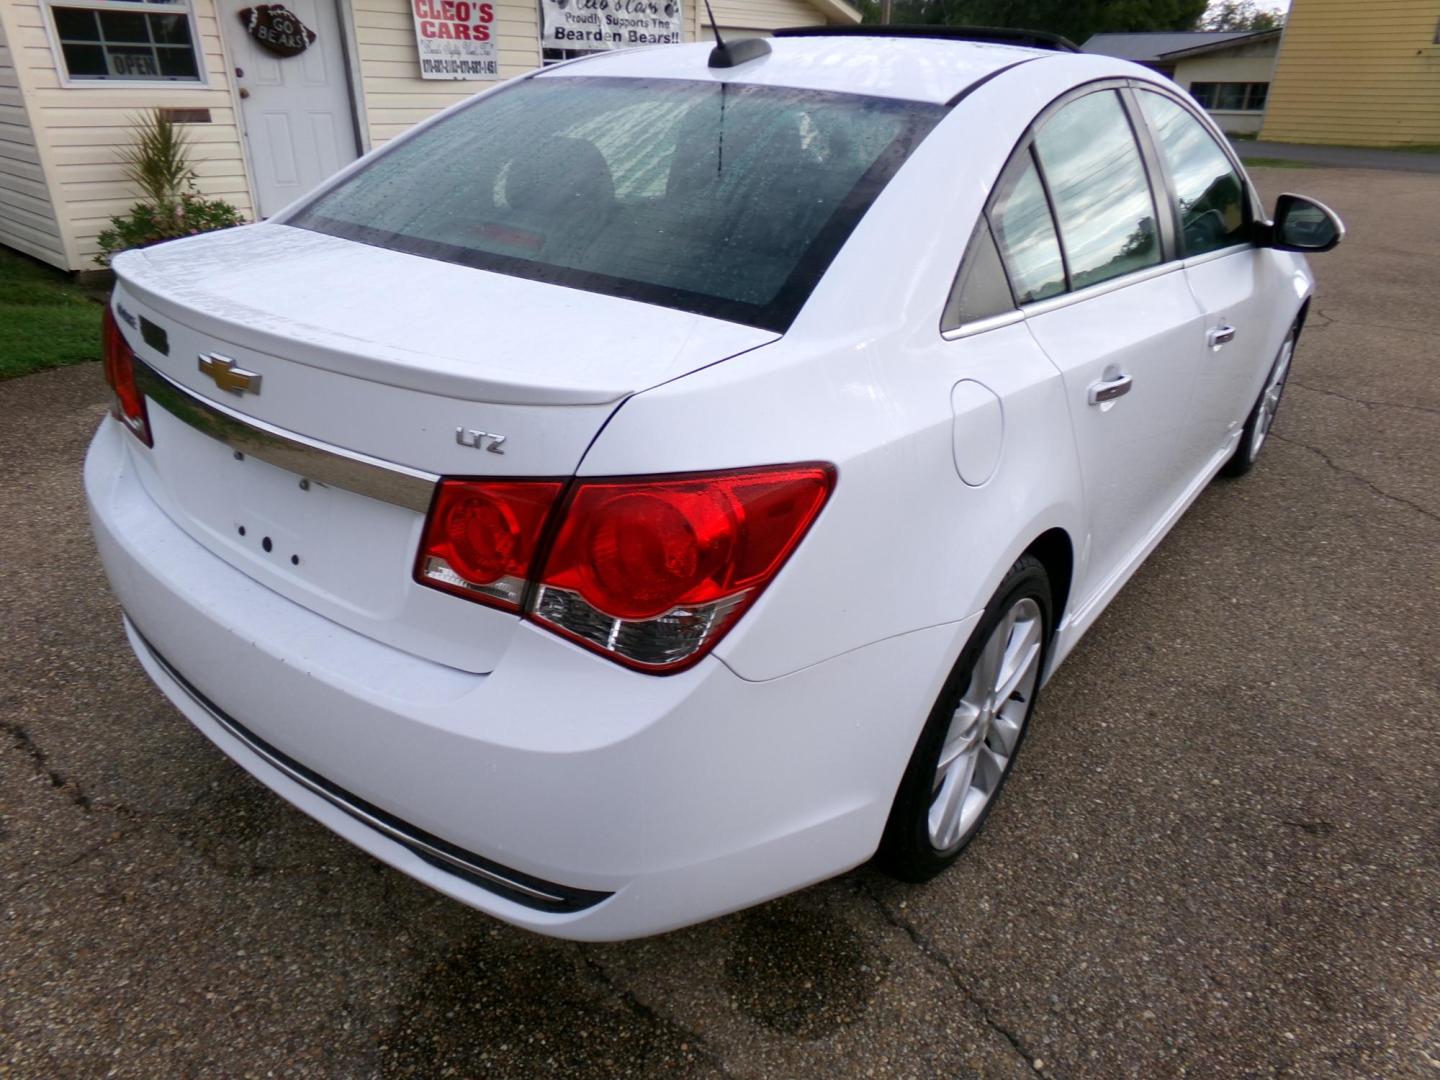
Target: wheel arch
<point>1056,553</point>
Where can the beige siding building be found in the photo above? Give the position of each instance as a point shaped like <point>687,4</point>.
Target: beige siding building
<point>272,108</point>
<point>1227,71</point>
<point>1358,74</point>
<point>1230,78</point>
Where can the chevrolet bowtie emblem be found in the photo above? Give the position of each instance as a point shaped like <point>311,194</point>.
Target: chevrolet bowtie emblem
<point>227,376</point>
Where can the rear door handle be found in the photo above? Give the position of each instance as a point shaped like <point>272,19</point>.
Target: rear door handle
<point>1220,336</point>
<point>1109,389</point>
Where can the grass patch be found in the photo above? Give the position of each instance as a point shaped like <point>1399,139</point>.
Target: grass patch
<point>1276,163</point>
<point>1242,136</point>
<point>46,320</point>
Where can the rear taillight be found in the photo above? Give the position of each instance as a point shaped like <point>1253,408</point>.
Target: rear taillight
<point>650,572</point>
<point>481,538</point>
<point>129,404</point>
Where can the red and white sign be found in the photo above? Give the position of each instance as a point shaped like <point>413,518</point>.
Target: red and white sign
<point>456,39</point>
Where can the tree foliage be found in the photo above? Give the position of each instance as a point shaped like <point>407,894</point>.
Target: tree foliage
<point>1075,19</point>
<point>1241,15</point>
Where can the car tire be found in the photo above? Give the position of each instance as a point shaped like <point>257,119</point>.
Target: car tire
<point>971,739</point>
<point>1262,415</point>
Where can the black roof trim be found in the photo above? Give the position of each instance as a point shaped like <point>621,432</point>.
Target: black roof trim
<point>978,83</point>
<point>1035,39</point>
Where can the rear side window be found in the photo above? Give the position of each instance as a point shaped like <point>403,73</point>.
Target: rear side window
<point>1102,196</point>
<point>1211,193</point>
<point>1025,232</point>
<point>980,290</point>
<point>726,200</point>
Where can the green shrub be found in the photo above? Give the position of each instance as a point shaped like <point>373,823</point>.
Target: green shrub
<point>148,224</point>
<point>159,165</point>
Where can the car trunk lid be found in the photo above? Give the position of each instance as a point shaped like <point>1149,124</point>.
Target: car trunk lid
<point>370,364</point>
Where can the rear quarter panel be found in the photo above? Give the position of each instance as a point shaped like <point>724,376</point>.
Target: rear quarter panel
<point>863,380</point>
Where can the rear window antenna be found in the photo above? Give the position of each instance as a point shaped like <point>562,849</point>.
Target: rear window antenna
<point>738,52</point>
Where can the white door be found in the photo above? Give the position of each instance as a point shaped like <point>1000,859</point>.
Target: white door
<point>1123,329</point>
<point>1234,282</point>
<point>296,110</point>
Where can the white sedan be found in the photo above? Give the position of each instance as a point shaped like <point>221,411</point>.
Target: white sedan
<point>668,479</point>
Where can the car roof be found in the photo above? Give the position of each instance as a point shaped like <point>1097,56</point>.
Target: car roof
<point>910,68</point>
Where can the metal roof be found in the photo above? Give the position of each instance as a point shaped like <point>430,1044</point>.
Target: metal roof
<point>1147,48</point>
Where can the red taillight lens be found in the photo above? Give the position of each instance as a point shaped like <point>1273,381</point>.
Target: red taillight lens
<point>129,405</point>
<point>650,572</point>
<point>481,538</point>
<point>653,572</point>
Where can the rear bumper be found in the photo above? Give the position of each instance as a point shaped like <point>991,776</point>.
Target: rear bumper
<point>636,804</point>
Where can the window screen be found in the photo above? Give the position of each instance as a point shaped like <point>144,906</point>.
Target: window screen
<point>1231,97</point>
<point>1102,195</point>
<point>1211,193</point>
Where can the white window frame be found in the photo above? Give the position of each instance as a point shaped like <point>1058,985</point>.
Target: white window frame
<point>162,7</point>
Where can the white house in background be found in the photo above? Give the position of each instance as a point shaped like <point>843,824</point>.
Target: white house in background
<point>1228,71</point>
<point>277,96</point>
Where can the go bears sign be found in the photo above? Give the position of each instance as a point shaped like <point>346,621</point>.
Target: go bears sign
<point>277,29</point>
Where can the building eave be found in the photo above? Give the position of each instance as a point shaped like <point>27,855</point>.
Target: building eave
<point>1220,46</point>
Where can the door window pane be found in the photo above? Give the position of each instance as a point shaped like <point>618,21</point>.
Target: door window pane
<point>1026,234</point>
<point>1102,196</point>
<point>1211,193</point>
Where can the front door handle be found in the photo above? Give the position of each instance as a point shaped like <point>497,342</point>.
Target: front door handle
<point>1220,336</point>
<point>1109,388</point>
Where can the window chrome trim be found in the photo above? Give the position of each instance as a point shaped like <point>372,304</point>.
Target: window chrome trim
<point>1220,253</point>
<point>373,477</point>
<point>510,884</point>
<point>1054,303</point>
<point>980,326</point>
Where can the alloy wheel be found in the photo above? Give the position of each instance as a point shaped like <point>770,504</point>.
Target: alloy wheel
<point>986,725</point>
<point>1270,399</point>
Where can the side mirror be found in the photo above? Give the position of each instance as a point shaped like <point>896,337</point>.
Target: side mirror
<point>1303,224</point>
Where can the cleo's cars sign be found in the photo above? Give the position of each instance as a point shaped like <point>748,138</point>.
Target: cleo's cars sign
<point>609,24</point>
<point>456,39</point>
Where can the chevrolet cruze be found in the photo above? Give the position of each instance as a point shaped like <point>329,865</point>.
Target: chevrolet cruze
<point>669,478</point>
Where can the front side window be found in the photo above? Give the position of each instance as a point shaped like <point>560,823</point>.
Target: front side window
<point>726,200</point>
<point>1097,181</point>
<point>1210,191</point>
<point>111,40</point>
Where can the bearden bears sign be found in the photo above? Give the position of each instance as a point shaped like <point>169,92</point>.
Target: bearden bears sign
<point>277,29</point>
<point>456,39</point>
<point>609,24</point>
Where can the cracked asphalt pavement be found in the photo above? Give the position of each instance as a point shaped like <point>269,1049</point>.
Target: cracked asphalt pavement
<point>1219,854</point>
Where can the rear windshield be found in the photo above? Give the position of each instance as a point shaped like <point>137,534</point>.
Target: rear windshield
<point>726,200</point>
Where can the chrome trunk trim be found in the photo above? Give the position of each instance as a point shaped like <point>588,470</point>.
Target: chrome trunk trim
<point>315,461</point>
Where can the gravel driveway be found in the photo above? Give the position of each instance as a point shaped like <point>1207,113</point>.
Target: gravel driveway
<point>1219,854</point>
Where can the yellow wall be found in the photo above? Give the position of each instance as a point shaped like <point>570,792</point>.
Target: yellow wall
<point>1359,74</point>
<point>78,129</point>
<point>27,216</point>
